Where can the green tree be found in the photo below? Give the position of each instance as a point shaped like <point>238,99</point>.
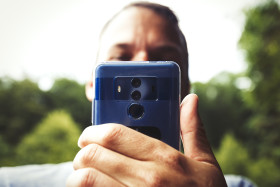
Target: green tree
<point>222,106</point>
<point>234,158</point>
<point>22,106</point>
<point>260,41</point>
<point>54,140</point>
<point>70,96</point>
<point>5,154</point>
<point>264,172</point>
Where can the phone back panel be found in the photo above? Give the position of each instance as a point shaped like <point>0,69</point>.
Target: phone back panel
<point>142,95</point>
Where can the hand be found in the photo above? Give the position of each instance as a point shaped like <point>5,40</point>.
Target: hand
<point>114,155</point>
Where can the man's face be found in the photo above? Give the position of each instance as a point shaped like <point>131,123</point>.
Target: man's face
<point>139,34</point>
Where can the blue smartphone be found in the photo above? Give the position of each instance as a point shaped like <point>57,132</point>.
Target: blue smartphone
<point>144,96</point>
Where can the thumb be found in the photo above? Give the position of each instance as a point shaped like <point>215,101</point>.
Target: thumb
<point>196,145</point>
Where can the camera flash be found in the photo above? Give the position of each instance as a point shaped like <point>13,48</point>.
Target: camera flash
<point>119,88</point>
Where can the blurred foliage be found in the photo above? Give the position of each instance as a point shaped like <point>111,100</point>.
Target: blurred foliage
<point>5,153</point>
<point>24,106</point>
<point>70,96</point>
<point>265,172</point>
<point>221,106</point>
<point>233,157</point>
<point>260,41</point>
<point>53,140</point>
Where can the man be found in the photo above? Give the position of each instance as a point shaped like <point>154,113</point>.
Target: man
<point>113,155</point>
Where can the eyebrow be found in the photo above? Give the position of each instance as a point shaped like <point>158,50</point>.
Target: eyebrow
<point>160,47</point>
<point>123,46</point>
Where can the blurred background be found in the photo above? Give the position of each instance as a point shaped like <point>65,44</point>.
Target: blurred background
<point>47,53</point>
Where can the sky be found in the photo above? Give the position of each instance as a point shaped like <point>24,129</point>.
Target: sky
<point>44,40</point>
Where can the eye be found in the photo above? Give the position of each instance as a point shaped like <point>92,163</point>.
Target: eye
<point>165,53</point>
<point>161,57</point>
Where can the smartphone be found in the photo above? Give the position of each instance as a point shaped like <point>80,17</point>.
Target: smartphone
<point>144,96</point>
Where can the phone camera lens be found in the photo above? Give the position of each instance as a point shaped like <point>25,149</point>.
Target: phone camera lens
<point>136,95</point>
<point>136,82</point>
<point>136,111</point>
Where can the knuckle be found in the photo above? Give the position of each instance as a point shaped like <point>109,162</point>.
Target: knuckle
<point>90,155</point>
<point>173,158</point>
<point>82,178</point>
<point>155,179</point>
<point>88,179</point>
<point>83,140</point>
<point>112,135</point>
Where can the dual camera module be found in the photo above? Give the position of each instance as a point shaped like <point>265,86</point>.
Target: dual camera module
<point>136,83</point>
<point>135,110</point>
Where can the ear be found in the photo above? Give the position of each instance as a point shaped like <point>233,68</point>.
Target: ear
<point>90,89</point>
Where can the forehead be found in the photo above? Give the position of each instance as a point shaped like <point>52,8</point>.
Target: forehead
<point>138,22</point>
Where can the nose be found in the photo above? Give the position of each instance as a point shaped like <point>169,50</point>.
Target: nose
<point>141,56</point>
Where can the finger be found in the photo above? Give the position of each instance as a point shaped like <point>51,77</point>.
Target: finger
<point>88,177</point>
<point>123,140</point>
<point>119,167</point>
<point>196,145</point>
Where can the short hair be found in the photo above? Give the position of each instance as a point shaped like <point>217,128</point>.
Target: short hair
<point>161,10</point>
<point>166,13</point>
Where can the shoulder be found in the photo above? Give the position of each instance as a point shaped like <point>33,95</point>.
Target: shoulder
<point>35,175</point>
<point>238,181</point>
